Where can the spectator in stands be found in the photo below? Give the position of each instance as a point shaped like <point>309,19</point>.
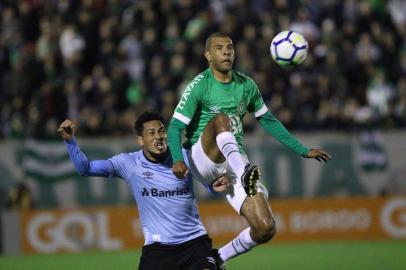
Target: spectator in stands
<point>105,61</point>
<point>19,198</point>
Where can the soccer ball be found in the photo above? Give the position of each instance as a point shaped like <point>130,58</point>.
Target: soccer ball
<point>289,48</point>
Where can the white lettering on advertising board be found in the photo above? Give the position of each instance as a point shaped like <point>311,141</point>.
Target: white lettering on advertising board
<point>394,227</point>
<point>341,220</point>
<point>74,231</point>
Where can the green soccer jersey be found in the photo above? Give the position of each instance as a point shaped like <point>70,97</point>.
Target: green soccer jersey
<point>204,97</point>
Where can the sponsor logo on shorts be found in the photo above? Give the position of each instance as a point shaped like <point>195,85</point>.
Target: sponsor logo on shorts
<point>211,260</point>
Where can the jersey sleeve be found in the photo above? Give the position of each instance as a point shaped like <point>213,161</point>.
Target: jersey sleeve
<point>189,101</point>
<point>256,103</point>
<point>275,128</point>
<point>118,162</point>
<point>174,139</point>
<point>86,167</point>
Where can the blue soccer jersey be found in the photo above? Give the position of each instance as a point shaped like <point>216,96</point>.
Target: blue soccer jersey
<point>166,204</point>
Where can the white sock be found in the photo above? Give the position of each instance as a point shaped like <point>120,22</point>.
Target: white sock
<point>229,147</point>
<point>239,245</point>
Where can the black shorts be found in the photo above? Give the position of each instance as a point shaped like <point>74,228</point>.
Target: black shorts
<point>195,254</point>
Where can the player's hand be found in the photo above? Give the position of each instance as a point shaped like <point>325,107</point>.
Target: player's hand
<point>221,184</point>
<point>67,130</point>
<point>180,169</point>
<point>319,154</point>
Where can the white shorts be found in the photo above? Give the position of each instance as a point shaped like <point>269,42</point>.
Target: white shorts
<point>205,171</point>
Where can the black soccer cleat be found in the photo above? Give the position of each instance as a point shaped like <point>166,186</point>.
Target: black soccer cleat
<point>250,178</point>
<point>219,262</point>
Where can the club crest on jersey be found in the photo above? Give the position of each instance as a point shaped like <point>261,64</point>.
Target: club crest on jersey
<point>241,108</point>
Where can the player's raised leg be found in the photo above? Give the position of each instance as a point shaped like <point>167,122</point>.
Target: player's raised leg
<point>219,144</point>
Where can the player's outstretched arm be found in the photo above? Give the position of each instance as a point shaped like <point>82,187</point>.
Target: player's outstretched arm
<point>179,167</point>
<point>276,129</point>
<point>83,165</point>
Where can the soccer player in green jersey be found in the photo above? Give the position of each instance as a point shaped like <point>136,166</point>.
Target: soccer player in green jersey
<point>211,109</point>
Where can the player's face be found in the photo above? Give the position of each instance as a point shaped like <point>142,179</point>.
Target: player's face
<point>221,54</point>
<point>153,140</point>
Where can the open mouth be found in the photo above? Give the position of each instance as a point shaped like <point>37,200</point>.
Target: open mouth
<point>160,145</point>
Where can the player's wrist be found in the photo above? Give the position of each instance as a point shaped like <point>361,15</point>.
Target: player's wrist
<point>71,140</point>
<point>306,152</point>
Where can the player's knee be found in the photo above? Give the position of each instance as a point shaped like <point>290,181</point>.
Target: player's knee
<point>270,230</point>
<point>265,231</point>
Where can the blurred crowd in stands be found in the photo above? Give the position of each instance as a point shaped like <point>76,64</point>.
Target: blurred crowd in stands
<point>103,62</point>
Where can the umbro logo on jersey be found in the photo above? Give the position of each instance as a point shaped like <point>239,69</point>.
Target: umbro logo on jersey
<point>148,175</point>
<point>154,192</point>
<point>215,109</point>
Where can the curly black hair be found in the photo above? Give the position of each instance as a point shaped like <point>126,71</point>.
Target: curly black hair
<point>146,117</point>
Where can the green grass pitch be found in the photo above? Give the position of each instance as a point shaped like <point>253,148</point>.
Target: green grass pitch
<point>369,255</point>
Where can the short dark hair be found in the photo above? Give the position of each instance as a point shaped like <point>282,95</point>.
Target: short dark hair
<point>214,35</point>
<point>146,117</point>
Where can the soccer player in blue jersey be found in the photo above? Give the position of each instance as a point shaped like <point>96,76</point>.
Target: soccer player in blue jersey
<point>175,237</point>
<point>211,110</point>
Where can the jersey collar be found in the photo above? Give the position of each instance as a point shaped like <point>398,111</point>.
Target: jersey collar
<point>165,161</point>
<point>233,78</point>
